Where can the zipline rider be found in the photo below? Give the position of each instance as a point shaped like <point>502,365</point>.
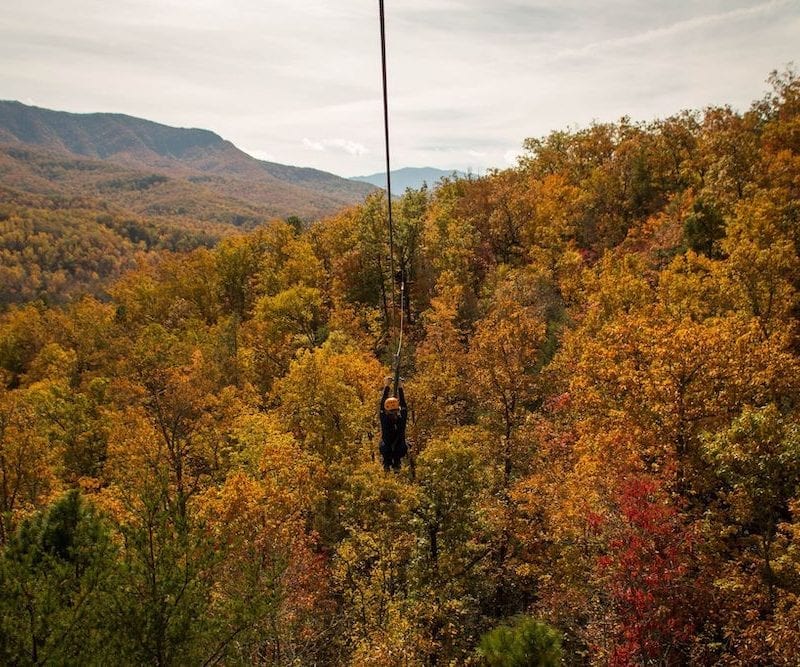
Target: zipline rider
<point>393,413</point>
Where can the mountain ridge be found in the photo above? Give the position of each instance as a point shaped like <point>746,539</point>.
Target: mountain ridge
<point>409,177</point>
<point>191,154</point>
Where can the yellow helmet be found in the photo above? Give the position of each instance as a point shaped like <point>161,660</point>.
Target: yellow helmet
<point>391,404</point>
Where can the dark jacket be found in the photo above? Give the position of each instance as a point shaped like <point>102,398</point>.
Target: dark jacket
<point>393,429</point>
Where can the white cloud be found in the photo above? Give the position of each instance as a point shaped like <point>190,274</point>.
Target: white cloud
<point>677,28</point>
<point>342,145</point>
<point>510,156</point>
<point>260,155</point>
<point>467,78</point>
<point>313,145</point>
<point>350,147</point>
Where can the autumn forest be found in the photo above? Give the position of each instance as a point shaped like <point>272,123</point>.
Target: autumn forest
<point>602,367</point>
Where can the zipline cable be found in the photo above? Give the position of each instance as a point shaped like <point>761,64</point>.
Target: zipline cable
<point>389,201</point>
<point>400,339</point>
<point>386,139</point>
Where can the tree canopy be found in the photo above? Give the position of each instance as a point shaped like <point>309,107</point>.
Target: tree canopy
<point>602,369</point>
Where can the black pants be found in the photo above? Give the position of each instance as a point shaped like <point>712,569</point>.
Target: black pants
<point>392,455</point>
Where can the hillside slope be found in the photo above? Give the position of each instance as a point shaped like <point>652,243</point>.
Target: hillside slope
<point>193,155</point>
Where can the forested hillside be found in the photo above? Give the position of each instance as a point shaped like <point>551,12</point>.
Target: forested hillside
<point>84,197</point>
<point>602,367</point>
<point>183,157</point>
<point>57,248</point>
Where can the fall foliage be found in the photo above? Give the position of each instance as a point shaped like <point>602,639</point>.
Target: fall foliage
<point>602,370</point>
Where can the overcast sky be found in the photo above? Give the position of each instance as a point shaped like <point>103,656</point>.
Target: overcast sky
<point>298,81</point>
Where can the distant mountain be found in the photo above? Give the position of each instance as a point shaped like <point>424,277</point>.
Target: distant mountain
<point>408,177</point>
<point>188,162</point>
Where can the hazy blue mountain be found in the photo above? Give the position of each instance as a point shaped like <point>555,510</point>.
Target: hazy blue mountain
<point>408,177</point>
<point>199,157</point>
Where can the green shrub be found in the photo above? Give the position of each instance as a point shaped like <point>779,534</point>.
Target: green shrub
<point>521,642</point>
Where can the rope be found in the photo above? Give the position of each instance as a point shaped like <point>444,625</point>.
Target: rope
<point>386,139</point>
<point>389,198</point>
<point>400,340</point>
<point>402,312</point>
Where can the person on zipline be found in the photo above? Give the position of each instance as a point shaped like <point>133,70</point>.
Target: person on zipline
<point>393,413</point>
